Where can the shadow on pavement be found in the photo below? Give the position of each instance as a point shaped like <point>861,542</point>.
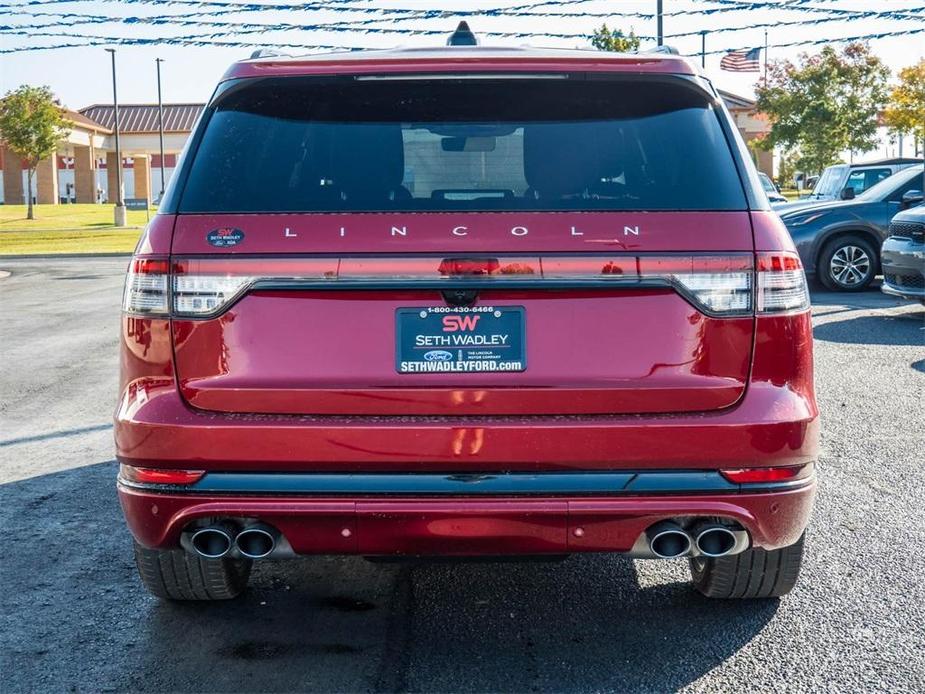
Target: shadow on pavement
<point>903,329</point>
<point>75,616</point>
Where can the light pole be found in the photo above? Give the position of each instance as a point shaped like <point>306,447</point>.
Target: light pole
<point>659,32</point>
<point>160,123</point>
<point>119,209</point>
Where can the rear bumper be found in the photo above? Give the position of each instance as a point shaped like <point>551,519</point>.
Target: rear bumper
<point>501,514</point>
<point>771,425</point>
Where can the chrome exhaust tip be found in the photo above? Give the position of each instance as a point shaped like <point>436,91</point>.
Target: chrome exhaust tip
<point>256,541</point>
<point>211,542</point>
<point>668,540</point>
<point>714,540</point>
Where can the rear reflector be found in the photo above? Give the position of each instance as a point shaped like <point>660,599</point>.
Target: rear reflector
<point>148,475</point>
<point>767,474</point>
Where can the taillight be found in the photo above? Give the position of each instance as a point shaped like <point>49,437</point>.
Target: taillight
<point>205,294</point>
<point>721,285</point>
<point>148,475</point>
<point>781,283</point>
<point>146,287</point>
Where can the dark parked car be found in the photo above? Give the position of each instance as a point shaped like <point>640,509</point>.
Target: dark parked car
<point>839,241</point>
<point>903,255</point>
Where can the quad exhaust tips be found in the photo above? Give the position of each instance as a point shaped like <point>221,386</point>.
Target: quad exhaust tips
<point>213,542</point>
<point>255,541</point>
<point>668,539</point>
<point>714,540</point>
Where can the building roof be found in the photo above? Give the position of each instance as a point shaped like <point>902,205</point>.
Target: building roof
<point>734,101</point>
<point>142,118</point>
<point>82,121</point>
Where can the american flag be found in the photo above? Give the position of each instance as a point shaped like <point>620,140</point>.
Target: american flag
<point>741,61</point>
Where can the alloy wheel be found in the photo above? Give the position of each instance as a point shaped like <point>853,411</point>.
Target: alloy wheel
<point>850,266</point>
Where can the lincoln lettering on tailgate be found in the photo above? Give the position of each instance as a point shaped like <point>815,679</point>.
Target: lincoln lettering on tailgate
<point>444,339</point>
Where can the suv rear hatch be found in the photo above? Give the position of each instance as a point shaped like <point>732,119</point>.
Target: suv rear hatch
<point>462,244</point>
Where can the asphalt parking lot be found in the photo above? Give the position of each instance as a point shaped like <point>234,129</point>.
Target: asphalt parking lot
<point>75,618</point>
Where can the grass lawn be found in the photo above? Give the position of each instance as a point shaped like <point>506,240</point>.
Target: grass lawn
<point>67,229</point>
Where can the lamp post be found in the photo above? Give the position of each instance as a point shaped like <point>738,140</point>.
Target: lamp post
<point>160,123</point>
<point>119,209</point>
<point>660,35</point>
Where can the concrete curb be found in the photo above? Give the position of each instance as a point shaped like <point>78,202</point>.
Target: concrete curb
<point>52,256</point>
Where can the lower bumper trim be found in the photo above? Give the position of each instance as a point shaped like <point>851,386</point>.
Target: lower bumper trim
<point>465,526</point>
<point>478,484</point>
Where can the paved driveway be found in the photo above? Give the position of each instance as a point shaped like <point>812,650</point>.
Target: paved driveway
<point>74,617</point>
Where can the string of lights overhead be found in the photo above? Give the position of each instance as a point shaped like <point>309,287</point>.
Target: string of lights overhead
<point>359,18</point>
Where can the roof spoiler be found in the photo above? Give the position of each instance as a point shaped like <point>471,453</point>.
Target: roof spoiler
<point>667,50</point>
<point>268,53</point>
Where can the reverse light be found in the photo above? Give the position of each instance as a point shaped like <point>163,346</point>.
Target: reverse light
<point>204,294</point>
<point>727,292</point>
<point>148,475</point>
<point>755,475</point>
<point>781,283</point>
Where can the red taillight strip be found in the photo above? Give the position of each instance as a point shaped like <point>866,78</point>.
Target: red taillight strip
<point>403,268</point>
<point>149,266</point>
<point>146,475</point>
<point>757,475</point>
<point>716,284</point>
<point>782,261</point>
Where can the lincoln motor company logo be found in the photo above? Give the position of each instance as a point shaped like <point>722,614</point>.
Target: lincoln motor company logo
<point>461,231</point>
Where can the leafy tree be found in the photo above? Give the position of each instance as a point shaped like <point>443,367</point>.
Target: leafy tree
<point>905,112</point>
<point>825,104</point>
<point>31,124</point>
<point>605,39</point>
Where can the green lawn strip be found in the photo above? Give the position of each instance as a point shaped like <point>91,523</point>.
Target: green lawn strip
<point>66,217</point>
<point>79,241</point>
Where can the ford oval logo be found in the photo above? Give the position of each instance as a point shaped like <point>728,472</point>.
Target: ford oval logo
<point>438,355</point>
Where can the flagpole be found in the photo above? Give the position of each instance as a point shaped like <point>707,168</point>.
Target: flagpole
<point>766,55</point>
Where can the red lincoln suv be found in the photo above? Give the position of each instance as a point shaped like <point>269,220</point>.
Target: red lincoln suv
<point>466,301</point>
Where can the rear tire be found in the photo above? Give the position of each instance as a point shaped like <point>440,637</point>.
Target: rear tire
<point>174,574</point>
<point>847,264</point>
<point>754,573</point>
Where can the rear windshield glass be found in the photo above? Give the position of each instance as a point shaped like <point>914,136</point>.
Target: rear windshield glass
<point>310,144</point>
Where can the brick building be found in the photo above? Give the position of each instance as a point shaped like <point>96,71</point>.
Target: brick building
<point>84,167</point>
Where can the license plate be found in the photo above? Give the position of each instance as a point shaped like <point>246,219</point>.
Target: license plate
<point>475,339</point>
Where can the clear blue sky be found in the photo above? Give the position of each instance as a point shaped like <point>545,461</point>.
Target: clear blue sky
<point>81,76</point>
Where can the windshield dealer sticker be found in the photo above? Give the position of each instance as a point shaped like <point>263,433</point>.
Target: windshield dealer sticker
<point>226,237</point>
